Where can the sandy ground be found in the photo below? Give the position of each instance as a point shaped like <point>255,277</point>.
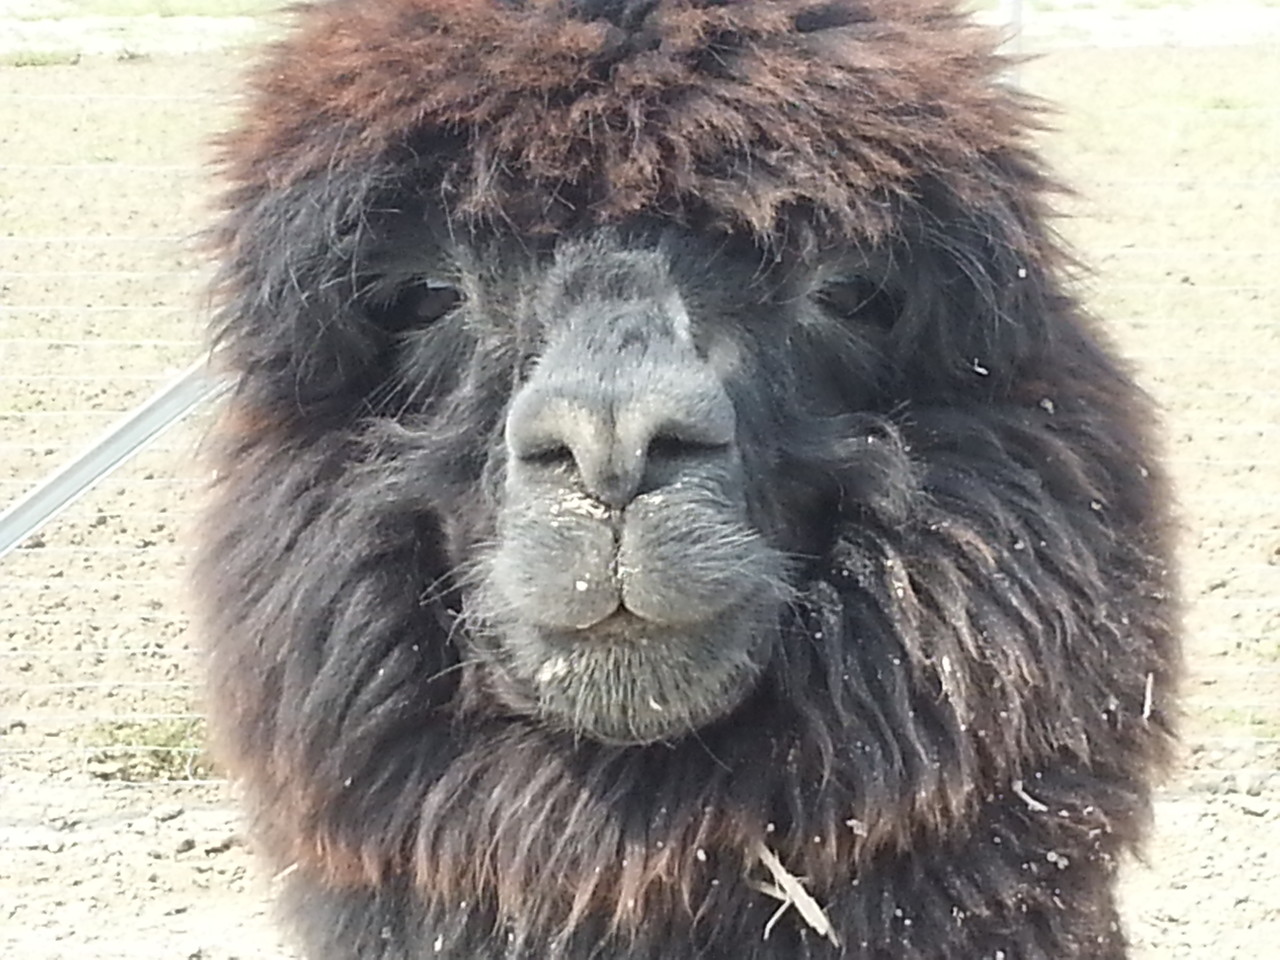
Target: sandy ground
<point>1175,151</point>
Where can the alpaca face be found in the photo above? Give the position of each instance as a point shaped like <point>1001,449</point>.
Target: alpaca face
<point>652,405</point>
<point>631,594</point>
<point>626,576</point>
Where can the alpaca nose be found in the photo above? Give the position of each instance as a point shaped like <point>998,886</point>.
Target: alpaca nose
<point>614,428</point>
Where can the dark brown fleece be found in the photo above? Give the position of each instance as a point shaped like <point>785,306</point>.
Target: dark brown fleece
<point>746,113</point>
<point>977,688</point>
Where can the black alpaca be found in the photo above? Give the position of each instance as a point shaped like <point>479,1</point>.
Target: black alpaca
<point>666,463</point>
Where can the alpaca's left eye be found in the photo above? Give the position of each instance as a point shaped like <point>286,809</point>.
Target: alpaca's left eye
<point>415,306</point>
<point>861,300</point>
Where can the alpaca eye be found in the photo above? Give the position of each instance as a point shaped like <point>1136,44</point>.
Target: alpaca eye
<point>432,301</point>
<point>415,306</point>
<point>860,300</point>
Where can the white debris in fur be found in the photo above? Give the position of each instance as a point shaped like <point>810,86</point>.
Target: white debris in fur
<point>585,506</point>
<point>553,669</point>
<point>789,889</point>
<point>1031,802</point>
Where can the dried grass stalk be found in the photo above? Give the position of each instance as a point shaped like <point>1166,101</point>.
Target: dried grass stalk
<point>789,889</point>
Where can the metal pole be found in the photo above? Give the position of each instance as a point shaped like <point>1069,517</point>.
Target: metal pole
<point>113,448</point>
<point>1011,14</point>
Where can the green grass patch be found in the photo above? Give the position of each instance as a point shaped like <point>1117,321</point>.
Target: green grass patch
<point>1223,719</point>
<point>151,750</point>
<point>1220,102</point>
<point>40,58</point>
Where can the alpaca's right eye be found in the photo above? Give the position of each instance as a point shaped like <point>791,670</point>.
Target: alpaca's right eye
<point>860,300</point>
<point>417,305</point>
<point>431,301</point>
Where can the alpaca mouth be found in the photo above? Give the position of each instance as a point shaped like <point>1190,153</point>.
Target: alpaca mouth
<point>638,625</point>
<point>628,680</point>
<point>621,625</point>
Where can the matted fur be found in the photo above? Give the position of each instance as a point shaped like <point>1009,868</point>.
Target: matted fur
<point>972,688</point>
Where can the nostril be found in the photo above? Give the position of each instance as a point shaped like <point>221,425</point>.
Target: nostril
<point>547,455</point>
<point>672,446</point>
<point>547,429</point>
<point>615,436</point>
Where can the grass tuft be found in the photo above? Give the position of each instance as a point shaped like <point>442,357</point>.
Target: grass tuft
<point>151,750</point>
<point>39,58</point>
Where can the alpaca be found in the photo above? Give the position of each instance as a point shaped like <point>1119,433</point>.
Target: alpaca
<point>671,505</point>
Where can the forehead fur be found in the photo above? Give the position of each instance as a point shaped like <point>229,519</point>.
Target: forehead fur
<point>749,115</point>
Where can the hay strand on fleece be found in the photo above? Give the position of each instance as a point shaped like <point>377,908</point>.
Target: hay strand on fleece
<point>789,889</point>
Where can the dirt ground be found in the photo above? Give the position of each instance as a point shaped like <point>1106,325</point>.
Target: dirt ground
<point>1175,152</point>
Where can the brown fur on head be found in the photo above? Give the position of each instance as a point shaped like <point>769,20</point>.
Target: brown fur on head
<point>747,115</point>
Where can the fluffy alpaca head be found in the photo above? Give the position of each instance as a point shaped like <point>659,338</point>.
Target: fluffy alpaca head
<point>660,427</point>
<point>767,118</point>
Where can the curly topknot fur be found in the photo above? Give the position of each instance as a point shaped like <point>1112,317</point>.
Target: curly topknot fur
<point>746,114</point>
<point>938,672</point>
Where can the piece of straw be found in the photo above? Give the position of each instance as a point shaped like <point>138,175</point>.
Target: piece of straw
<point>1031,802</point>
<point>789,889</point>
